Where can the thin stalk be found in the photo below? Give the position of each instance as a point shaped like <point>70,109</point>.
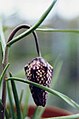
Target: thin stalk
<point>5,62</point>
<point>31,29</point>
<point>3,73</point>
<point>25,26</point>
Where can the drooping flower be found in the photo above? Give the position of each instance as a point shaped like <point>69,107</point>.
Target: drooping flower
<point>41,72</point>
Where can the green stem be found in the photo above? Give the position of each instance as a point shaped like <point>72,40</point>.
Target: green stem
<point>25,26</point>
<point>3,73</point>
<point>5,62</point>
<point>31,29</point>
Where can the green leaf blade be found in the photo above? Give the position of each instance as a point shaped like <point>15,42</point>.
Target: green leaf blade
<point>73,116</point>
<point>38,112</point>
<point>16,99</point>
<point>42,29</point>
<point>10,101</point>
<point>54,92</point>
<point>56,73</point>
<point>25,111</point>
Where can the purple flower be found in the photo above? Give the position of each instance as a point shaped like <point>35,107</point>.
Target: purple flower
<point>39,71</point>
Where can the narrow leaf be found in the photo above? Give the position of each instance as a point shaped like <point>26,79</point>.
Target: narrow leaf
<point>1,108</point>
<point>34,26</point>
<point>1,105</point>
<point>10,101</point>
<point>16,99</point>
<point>7,114</point>
<point>56,73</point>
<point>2,40</point>
<point>3,73</point>
<point>54,92</point>
<point>25,111</point>
<point>74,116</point>
<point>42,29</point>
<point>38,112</point>
<point>21,96</point>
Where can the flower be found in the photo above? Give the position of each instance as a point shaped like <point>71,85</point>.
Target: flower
<point>41,72</point>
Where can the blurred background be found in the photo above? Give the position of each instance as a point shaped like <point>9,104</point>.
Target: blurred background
<point>55,47</point>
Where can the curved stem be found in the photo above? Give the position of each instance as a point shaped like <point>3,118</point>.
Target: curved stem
<point>5,61</point>
<point>26,27</point>
<point>4,84</point>
<point>35,26</point>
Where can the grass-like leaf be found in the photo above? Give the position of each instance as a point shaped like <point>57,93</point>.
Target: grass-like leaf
<point>25,111</point>
<point>3,73</point>
<point>16,99</point>
<point>35,26</point>
<point>54,92</point>
<point>38,112</point>
<point>42,29</point>
<point>10,101</point>
<point>1,108</point>
<point>57,70</point>
<point>6,112</point>
<point>2,40</point>
<point>74,116</point>
<point>21,96</point>
<point>1,105</point>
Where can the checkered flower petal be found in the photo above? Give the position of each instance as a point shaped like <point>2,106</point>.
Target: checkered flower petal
<point>39,71</point>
